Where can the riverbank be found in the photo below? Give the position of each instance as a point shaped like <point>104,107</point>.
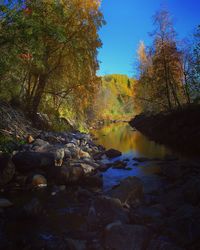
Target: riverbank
<point>179,130</point>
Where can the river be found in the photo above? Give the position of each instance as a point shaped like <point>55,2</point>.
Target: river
<point>133,145</point>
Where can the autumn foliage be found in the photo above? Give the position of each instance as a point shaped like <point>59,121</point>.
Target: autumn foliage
<point>49,54</point>
<point>167,73</point>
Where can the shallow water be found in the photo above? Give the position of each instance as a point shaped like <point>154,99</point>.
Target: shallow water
<point>131,143</point>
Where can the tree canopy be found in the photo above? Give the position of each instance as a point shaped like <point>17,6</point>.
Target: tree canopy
<point>49,52</point>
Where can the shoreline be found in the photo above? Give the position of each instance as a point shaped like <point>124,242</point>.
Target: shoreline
<point>178,130</point>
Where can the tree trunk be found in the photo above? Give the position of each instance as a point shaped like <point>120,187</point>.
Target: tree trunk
<point>38,94</point>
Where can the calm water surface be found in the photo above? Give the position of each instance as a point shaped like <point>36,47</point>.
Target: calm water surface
<point>131,143</point>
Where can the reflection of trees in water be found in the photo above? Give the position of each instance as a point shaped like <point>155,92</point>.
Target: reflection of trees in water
<point>121,137</point>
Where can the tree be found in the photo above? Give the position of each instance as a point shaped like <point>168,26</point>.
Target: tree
<point>160,85</point>
<point>54,46</point>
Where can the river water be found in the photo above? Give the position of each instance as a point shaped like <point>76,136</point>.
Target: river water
<point>132,144</point>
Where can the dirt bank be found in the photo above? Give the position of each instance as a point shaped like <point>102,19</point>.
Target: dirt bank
<point>179,129</point>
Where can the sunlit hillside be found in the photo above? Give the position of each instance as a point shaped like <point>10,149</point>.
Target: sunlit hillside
<point>115,97</point>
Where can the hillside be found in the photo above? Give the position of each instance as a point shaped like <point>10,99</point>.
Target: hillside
<point>115,97</point>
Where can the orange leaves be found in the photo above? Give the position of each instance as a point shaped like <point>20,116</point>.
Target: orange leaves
<point>25,56</point>
<point>27,11</point>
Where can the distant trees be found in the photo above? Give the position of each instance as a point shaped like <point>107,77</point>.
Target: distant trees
<point>114,100</point>
<point>166,73</point>
<point>49,52</point>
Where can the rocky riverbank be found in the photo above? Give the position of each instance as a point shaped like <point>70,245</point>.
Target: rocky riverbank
<point>52,197</point>
<point>179,129</point>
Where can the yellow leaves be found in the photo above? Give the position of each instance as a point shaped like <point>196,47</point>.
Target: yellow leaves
<point>90,4</point>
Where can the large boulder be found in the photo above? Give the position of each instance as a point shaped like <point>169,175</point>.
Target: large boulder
<point>112,153</point>
<point>127,237</point>
<point>129,190</point>
<point>28,161</point>
<point>7,169</point>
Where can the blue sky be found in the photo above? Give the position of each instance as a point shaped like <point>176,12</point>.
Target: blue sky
<point>130,21</point>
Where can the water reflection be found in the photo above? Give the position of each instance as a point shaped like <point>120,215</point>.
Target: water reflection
<point>121,136</point>
<point>132,144</point>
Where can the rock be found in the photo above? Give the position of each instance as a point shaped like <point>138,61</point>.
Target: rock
<point>58,156</point>
<point>184,225</point>
<point>145,215</point>
<point>127,237</point>
<point>141,159</point>
<point>4,203</point>
<point>191,191</point>
<point>39,181</point>
<point>62,187</point>
<point>28,161</point>
<point>104,167</point>
<point>66,175</point>
<point>83,194</point>
<point>98,155</point>
<point>67,153</point>
<point>170,158</point>
<point>93,181</point>
<point>30,139</point>
<point>75,244</point>
<point>162,244</point>
<point>172,199</point>
<point>108,210</point>
<point>33,208</point>
<point>172,170</point>
<point>112,153</point>
<point>129,190</point>
<point>39,143</point>
<point>119,165</point>
<point>152,184</point>
<point>83,154</point>
<point>7,169</point>
<point>87,168</point>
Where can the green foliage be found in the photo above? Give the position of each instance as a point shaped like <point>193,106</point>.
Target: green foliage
<point>9,144</point>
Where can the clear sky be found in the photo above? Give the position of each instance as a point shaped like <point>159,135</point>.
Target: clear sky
<point>129,21</point>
